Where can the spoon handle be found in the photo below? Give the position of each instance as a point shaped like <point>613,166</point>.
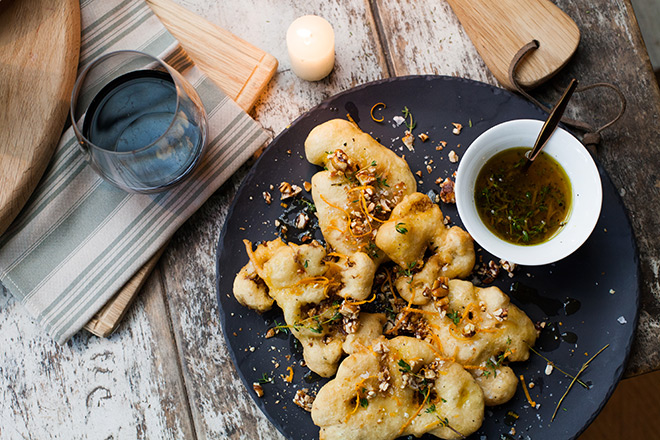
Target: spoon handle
<point>552,121</point>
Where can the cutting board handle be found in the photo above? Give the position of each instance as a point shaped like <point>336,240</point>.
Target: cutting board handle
<point>500,28</point>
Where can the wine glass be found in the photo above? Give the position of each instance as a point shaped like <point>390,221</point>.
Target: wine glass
<point>141,125</point>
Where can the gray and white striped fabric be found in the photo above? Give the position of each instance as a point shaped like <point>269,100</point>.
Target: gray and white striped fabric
<point>80,239</point>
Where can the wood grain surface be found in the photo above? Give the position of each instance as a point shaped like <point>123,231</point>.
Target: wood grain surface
<point>499,29</point>
<point>168,371</point>
<point>38,63</point>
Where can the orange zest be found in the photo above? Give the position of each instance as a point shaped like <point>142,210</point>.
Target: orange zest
<point>405,425</point>
<point>474,367</point>
<point>250,252</point>
<point>289,377</point>
<point>524,385</point>
<point>374,108</point>
<point>335,206</point>
<point>389,282</point>
<point>313,280</point>
<point>336,229</point>
<point>337,254</point>
<point>357,303</point>
<point>358,396</point>
<point>424,312</point>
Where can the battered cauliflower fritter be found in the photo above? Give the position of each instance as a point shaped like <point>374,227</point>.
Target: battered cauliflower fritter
<point>416,227</point>
<point>396,388</point>
<point>480,329</point>
<point>361,184</point>
<point>319,294</point>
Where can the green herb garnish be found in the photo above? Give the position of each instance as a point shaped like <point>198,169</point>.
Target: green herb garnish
<point>408,114</point>
<point>455,316</point>
<point>265,379</point>
<point>405,367</point>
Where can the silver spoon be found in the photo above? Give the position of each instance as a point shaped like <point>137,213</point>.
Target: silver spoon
<point>551,123</point>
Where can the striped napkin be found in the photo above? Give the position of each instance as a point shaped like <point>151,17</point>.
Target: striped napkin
<point>80,239</point>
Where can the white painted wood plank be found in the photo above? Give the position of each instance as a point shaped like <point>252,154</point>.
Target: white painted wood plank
<point>427,38</point>
<point>123,387</point>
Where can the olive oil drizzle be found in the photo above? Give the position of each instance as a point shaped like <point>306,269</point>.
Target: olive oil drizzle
<point>522,206</point>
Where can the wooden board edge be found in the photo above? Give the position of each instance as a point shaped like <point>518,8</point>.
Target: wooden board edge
<point>256,85</point>
<point>239,79</point>
<point>106,320</point>
<point>47,146</point>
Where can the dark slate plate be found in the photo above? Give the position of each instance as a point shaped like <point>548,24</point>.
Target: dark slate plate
<point>602,276</point>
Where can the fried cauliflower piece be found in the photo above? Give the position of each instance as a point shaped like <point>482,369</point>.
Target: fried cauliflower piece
<point>415,227</point>
<point>361,184</point>
<point>395,388</point>
<point>320,295</point>
<point>481,330</point>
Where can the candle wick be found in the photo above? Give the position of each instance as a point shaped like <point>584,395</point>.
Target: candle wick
<point>306,36</point>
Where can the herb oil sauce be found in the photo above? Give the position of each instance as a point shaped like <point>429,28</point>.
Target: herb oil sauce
<point>520,206</point>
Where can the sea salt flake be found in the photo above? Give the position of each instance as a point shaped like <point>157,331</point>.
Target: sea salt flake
<point>622,320</point>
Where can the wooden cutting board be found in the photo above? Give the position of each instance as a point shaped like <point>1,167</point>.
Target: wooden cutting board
<point>499,28</point>
<point>39,47</point>
<point>240,69</point>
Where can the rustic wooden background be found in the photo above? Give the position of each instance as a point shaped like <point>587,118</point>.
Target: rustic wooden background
<point>166,372</point>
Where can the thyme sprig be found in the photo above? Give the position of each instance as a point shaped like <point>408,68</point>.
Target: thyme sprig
<point>556,367</point>
<point>406,115</point>
<point>584,367</point>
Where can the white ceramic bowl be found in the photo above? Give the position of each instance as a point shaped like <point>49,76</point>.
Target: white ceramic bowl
<point>569,152</point>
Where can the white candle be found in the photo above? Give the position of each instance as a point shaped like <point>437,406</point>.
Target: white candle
<point>310,41</point>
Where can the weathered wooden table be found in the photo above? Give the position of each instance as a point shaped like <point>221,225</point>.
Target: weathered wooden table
<point>166,372</point>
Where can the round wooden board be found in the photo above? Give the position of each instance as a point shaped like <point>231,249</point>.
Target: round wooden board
<point>40,41</point>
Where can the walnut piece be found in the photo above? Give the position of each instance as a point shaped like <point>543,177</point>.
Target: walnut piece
<point>303,399</point>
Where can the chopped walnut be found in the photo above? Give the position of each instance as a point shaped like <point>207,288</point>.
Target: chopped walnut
<point>501,314</point>
<point>453,157</point>
<point>442,145</point>
<point>489,272</point>
<point>468,330</point>
<point>339,160</point>
<point>430,374</point>
<point>258,389</point>
<point>383,379</point>
<point>423,137</point>
<point>351,325</point>
<point>429,169</point>
<point>366,175</point>
<point>441,304</point>
<point>303,399</point>
<point>349,309</point>
<point>447,194</point>
<point>440,288</point>
<point>419,173</point>
<point>267,197</point>
<point>287,190</point>
<point>508,266</point>
<point>301,220</point>
<point>384,206</point>
<point>270,333</point>
<point>307,186</point>
<point>457,128</point>
<point>380,348</point>
<point>408,140</point>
